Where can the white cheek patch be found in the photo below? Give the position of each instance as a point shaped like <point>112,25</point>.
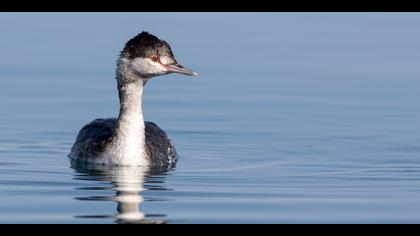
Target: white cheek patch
<point>147,66</point>
<point>166,60</point>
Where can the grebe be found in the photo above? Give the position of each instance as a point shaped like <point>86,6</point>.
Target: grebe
<point>128,140</point>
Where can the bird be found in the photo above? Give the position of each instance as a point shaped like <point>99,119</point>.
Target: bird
<point>128,140</point>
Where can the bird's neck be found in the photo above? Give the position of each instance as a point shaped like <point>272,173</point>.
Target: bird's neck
<point>129,144</point>
<point>131,114</point>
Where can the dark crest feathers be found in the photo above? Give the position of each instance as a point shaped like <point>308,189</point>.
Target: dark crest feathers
<point>145,45</point>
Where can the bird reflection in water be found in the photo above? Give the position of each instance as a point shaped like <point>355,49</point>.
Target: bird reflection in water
<point>127,182</point>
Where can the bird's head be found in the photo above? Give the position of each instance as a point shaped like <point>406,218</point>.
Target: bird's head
<point>147,56</point>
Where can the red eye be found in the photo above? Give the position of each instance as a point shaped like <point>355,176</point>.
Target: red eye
<point>154,58</point>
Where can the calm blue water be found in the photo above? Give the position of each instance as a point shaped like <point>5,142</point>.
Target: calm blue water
<point>294,118</point>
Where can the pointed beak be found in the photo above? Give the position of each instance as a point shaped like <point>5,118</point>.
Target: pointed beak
<point>177,68</point>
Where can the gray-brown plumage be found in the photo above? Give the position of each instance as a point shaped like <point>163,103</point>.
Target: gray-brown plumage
<point>128,140</point>
<point>95,137</point>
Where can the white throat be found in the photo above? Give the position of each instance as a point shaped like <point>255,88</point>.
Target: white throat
<point>129,146</point>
